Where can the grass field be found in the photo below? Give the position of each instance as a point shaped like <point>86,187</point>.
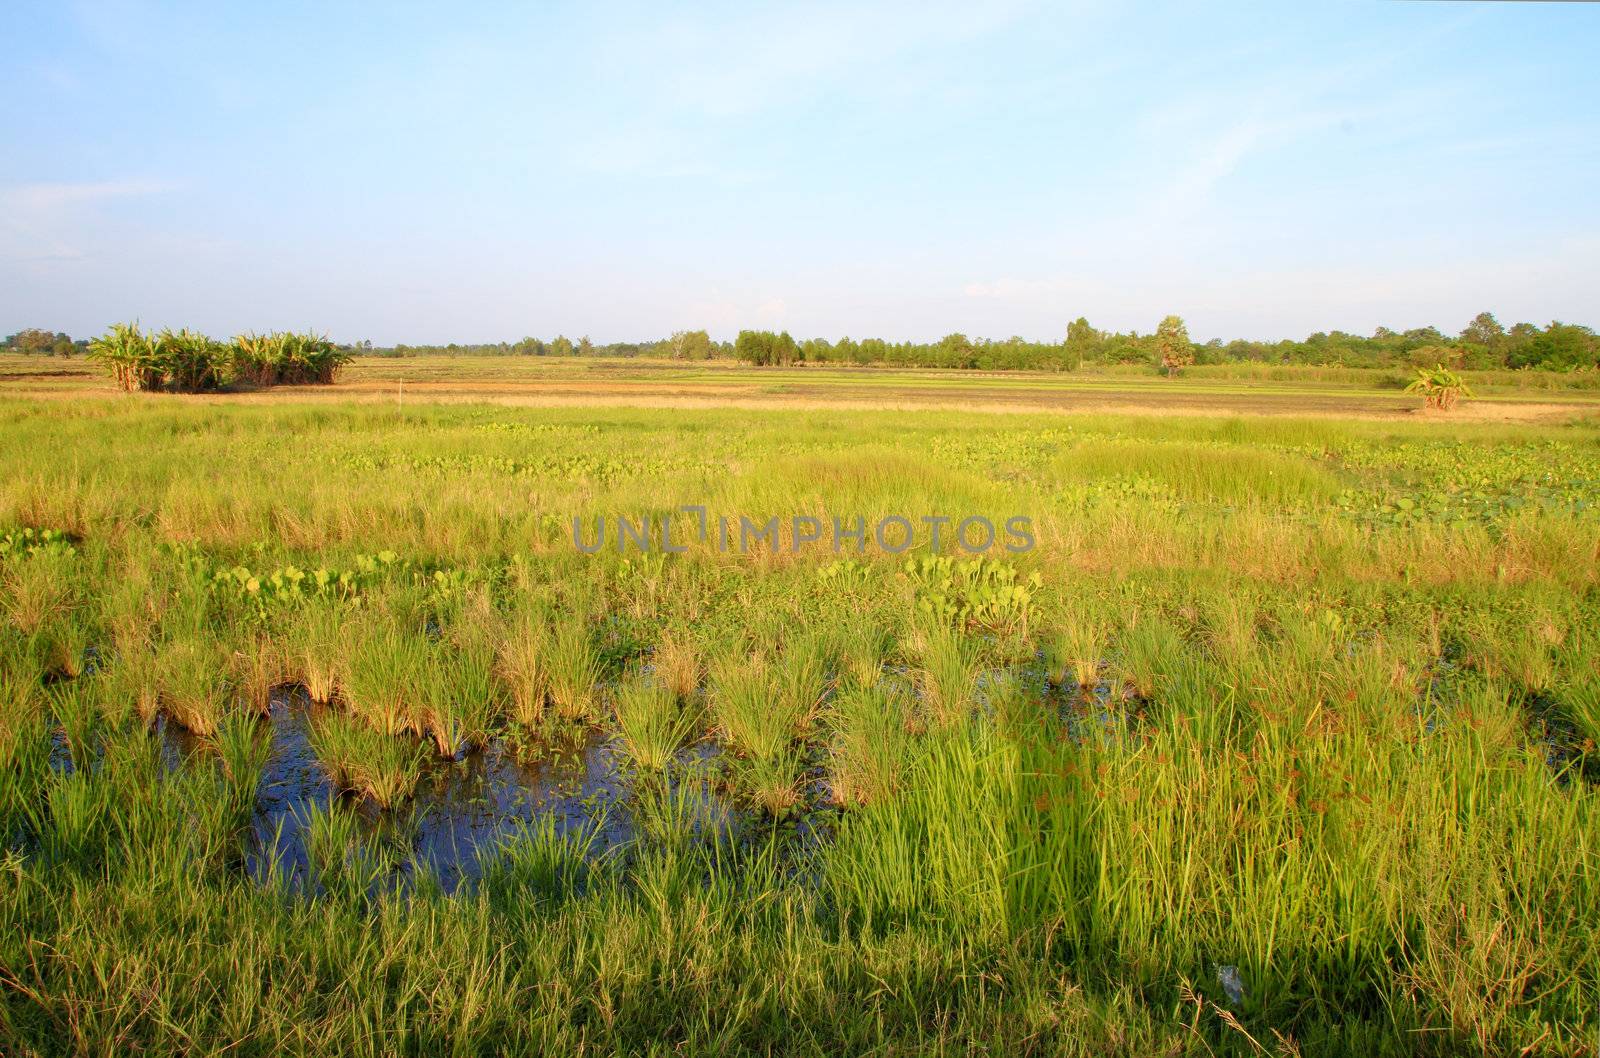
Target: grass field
<point>322,735</point>
<point>1256,389</point>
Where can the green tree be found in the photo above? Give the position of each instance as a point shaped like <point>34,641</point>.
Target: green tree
<point>754,347</point>
<point>36,342</point>
<point>1484,330</point>
<point>955,350</point>
<point>817,351</point>
<point>689,345</point>
<point>1173,345</point>
<point>1083,343</point>
<point>1560,347</point>
<point>784,348</point>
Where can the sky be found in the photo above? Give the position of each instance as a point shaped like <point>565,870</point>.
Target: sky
<point>483,171</point>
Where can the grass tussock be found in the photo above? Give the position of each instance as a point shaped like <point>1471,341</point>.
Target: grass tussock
<point>364,761</point>
<point>198,688</point>
<point>523,665</point>
<point>653,721</point>
<point>574,673</point>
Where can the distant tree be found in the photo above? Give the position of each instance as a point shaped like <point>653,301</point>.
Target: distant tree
<point>1560,347</point>
<point>1083,343</point>
<point>754,347</point>
<point>1210,353</point>
<point>763,348</point>
<point>1423,355</point>
<point>562,346</point>
<point>1173,345</point>
<point>37,342</point>
<point>817,351</point>
<point>955,350</point>
<point>585,346</point>
<point>785,349</point>
<point>689,345</point>
<point>1484,330</point>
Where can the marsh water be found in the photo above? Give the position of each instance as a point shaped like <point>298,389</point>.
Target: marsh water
<point>464,809</point>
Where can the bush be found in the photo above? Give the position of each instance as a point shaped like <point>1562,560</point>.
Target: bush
<point>188,362</point>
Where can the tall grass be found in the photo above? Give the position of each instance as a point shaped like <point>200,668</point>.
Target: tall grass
<point>947,678</point>
<point>523,668</point>
<point>386,675</point>
<point>1076,649</point>
<point>317,650</point>
<point>361,760</point>
<point>574,672</point>
<point>870,742</point>
<point>676,663</point>
<point>653,722</point>
<point>460,700</point>
<point>197,687</point>
<point>1356,778</point>
<point>747,708</point>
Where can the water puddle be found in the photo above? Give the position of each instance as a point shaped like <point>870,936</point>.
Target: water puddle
<point>462,809</point>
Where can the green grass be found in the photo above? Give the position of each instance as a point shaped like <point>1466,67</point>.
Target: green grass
<point>1206,473</point>
<point>362,761</point>
<point>1239,709</point>
<point>652,722</point>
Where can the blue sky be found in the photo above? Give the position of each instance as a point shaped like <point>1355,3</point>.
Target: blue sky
<point>437,172</point>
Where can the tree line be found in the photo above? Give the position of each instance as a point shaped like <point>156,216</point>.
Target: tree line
<point>36,342</point>
<point>1484,344</point>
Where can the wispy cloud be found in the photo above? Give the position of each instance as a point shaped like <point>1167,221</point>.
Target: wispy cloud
<point>773,55</point>
<point>44,197</point>
<point>43,223</point>
<point>692,82</point>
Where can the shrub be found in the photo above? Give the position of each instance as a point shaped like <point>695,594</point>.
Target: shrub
<point>284,358</point>
<point>1439,386</point>
<point>186,361</point>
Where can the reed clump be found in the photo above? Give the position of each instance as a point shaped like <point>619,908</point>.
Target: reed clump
<point>653,721</point>
<point>364,761</point>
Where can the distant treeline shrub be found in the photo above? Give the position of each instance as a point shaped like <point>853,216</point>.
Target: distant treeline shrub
<point>187,362</point>
<point>36,342</point>
<point>1483,345</point>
